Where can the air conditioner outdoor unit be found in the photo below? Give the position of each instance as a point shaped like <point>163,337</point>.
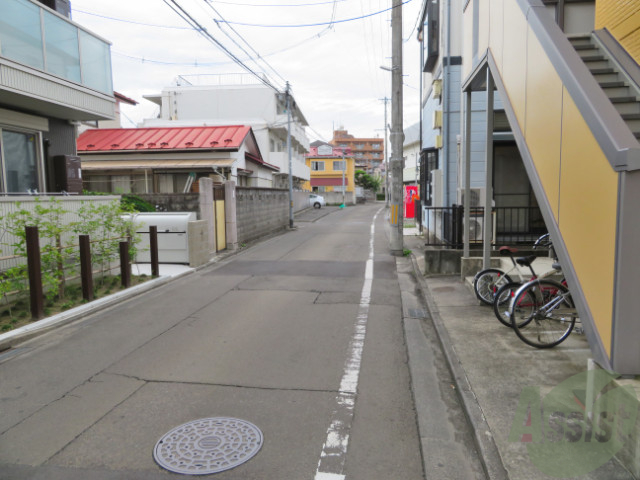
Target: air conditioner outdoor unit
<point>476,227</point>
<point>437,119</point>
<point>437,188</point>
<point>437,88</point>
<point>476,198</point>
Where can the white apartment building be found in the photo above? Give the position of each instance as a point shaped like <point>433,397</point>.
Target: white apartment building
<point>239,99</point>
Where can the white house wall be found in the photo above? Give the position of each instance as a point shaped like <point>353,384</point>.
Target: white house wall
<point>240,105</point>
<point>197,103</point>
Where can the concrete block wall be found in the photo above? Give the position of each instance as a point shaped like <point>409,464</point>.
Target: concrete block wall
<point>335,198</point>
<point>260,211</point>
<point>173,202</point>
<point>198,243</point>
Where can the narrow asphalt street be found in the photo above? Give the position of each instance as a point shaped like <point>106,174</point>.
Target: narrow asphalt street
<point>301,335</point>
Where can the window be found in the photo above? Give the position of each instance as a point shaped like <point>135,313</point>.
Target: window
<point>431,42</point>
<point>121,184</point>
<point>359,155</point>
<point>317,166</point>
<point>428,163</point>
<point>377,146</point>
<point>359,146</point>
<point>20,166</point>
<point>339,165</point>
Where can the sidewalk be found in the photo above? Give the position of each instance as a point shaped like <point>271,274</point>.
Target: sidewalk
<point>491,367</point>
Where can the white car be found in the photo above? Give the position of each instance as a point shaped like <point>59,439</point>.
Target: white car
<point>316,201</point>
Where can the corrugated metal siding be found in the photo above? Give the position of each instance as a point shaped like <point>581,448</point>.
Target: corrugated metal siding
<point>622,19</point>
<point>48,89</point>
<point>163,139</point>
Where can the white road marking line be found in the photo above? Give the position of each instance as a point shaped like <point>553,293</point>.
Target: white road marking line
<point>334,450</point>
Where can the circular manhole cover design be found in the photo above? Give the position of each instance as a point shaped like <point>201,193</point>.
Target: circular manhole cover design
<point>208,445</point>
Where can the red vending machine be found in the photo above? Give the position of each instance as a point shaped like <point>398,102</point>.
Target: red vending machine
<point>410,192</point>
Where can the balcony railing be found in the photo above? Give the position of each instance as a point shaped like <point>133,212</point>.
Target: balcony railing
<point>36,37</point>
<point>444,226</point>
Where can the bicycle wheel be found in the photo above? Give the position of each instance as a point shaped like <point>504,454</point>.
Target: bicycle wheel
<point>502,303</point>
<point>551,317</point>
<point>487,282</point>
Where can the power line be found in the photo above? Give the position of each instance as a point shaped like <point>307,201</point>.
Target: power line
<point>180,11</point>
<point>280,5</point>
<point>196,64</point>
<point>241,38</point>
<point>75,10</point>
<point>319,23</point>
<point>317,134</point>
<point>413,29</point>
<point>162,62</point>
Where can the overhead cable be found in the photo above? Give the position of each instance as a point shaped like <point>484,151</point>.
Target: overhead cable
<point>319,23</point>
<point>280,5</point>
<point>179,10</point>
<point>75,10</point>
<point>222,20</point>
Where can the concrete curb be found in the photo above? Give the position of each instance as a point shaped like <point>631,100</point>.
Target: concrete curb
<point>487,448</point>
<point>13,337</point>
<point>22,334</point>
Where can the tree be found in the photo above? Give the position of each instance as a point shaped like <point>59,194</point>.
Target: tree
<point>367,181</point>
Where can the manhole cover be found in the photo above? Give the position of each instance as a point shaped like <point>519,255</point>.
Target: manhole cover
<point>208,445</point>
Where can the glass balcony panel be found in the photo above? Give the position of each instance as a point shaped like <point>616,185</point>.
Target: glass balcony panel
<point>61,40</point>
<point>21,33</point>
<point>96,63</point>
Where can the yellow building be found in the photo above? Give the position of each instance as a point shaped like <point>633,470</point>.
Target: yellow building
<point>327,165</point>
<point>568,76</point>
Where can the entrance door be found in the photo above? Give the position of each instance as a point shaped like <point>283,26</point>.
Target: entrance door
<point>221,221</point>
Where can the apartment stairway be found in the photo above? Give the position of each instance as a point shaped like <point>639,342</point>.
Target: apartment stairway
<point>623,92</point>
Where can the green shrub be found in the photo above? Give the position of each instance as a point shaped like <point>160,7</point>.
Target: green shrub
<point>136,204</point>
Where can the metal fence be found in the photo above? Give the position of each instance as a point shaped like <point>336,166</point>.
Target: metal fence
<point>444,226</point>
<point>11,204</point>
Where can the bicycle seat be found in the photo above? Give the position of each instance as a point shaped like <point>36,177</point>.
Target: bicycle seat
<point>508,251</point>
<point>525,261</point>
<point>556,266</point>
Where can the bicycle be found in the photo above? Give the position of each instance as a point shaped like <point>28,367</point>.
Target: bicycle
<point>504,295</point>
<point>542,313</point>
<point>487,282</point>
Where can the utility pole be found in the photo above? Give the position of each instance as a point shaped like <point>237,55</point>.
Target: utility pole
<point>288,94</point>
<point>397,136</point>
<point>386,157</point>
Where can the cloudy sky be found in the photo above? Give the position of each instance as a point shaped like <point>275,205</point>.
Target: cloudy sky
<point>333,68</point>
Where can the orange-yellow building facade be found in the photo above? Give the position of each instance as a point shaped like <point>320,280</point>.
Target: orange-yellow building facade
<point>326,167</point>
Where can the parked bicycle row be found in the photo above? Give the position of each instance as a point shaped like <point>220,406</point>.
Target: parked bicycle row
<point>538,308</point>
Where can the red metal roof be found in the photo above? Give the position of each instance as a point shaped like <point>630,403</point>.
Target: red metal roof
<point>124,99</point>
<point>328,182</point>
<point>160,139</point>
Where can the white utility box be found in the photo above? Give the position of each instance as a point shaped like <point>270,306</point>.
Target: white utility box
<point>173,239</point>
